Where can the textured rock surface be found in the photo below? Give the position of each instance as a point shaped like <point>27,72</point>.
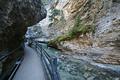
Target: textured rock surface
<point>103,46</point>
<point>71,68</point>
<point>88,10</point>
<point>15,17</point>
<point>104,15</point>
<point>108,34</point>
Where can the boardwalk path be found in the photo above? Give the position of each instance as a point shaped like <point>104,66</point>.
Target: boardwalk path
<point>31,68</point>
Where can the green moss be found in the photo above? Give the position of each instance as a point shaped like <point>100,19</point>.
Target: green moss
<point>58,39</point>
<point>78,29</point>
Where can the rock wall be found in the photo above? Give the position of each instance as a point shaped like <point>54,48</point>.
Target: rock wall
<point>15,17</point>
<point>101,46</point>
<point>88,11</point>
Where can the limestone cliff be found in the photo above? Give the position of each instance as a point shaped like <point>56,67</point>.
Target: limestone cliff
<point>15,17</point>
<point>90,28</point>
<point>76,15</point>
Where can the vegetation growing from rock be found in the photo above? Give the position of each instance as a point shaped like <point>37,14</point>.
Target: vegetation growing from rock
<point>78,29</point>
<point>54,13</point>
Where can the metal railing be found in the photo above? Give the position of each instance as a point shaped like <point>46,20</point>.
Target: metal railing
<point>15,68</point>
<point>3,56</point>
<point>50,62</point>
<point>12,71</point>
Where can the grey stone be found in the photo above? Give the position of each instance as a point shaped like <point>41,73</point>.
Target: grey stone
<point>15,17</point>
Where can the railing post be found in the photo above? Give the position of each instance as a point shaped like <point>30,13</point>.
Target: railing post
<point>54,68</point>
<point>51,62</point>
<point>35,45</point>
<point>41,51</point>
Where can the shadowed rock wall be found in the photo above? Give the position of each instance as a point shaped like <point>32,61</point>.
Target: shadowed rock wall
<point>15,17</point>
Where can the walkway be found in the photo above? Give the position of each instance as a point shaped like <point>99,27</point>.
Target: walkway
<point>31,68</point>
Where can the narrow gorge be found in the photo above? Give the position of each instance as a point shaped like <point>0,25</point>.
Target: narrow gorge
<point>84,35</point>
<point>87,32</point>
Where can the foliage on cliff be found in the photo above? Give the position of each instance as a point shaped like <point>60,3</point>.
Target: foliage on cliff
<point>78,29</point>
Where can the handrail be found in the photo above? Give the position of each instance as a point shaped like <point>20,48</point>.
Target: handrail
<point>9,53</point>
<point>17,65</point>
<point>45,53</point>
<point>49,62</point>
<point>14,67</point>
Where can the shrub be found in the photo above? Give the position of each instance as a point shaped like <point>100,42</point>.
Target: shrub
<point>78,29</point>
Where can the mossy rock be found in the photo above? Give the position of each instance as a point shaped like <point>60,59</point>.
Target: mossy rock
<point>78,29</point>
